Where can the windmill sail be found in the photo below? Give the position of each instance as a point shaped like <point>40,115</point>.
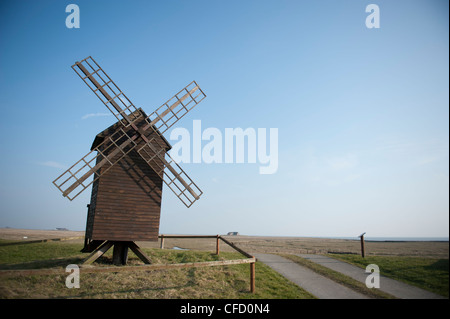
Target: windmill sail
<point>176,107</point>
<point>106,90</point>
<point>97,162</point>
<point>100,159</point>
<point>171,173</point>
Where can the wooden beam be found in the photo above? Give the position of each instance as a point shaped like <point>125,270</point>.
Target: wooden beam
<point>363,253</point>
<point>170,108</point>
<point>252,277</point>
<point>90,269</point>
<point>103,248</point>
<point>138,252</point>
<point>103,91</point>
<point>107,159</point>
<point>236,248</point>
<point>120,253</point>
<point>162,241</point>
<point>188,236</point>
<point>94,269</point>
<point>217,245</point>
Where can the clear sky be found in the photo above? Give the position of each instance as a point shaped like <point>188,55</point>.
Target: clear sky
<point>362,114</point>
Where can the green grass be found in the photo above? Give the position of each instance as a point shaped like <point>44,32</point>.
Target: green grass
<point>426,273</point>
<point>14,254</point>
<point>204,282</point>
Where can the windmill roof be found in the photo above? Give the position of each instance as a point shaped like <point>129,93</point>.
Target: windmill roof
<point>113,128</point>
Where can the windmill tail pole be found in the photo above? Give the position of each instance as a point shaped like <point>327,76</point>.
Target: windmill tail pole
<point>362,246</point>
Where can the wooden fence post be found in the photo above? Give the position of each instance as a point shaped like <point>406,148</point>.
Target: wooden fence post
<point>362,245</point>
<point>162,242</point>
<point>217,245</point>
<point>252,277</point>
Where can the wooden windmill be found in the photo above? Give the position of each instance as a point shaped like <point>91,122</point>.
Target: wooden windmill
<point>129,163</point>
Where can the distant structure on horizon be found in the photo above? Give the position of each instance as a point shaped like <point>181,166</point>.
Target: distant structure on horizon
<point>232,233</point>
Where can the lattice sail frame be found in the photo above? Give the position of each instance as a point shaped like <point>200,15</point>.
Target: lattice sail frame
<point>121,106</point>
<point>73,180</point>
<point>106,90</point>
<point>173,176</point>
<point>176,107</point>
<point>125,112</point>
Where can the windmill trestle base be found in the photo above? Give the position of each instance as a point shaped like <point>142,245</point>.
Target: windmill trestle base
<point>120,252</point>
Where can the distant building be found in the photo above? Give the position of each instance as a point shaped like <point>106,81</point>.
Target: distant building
<point>232,233</point>
<point>61,228</point>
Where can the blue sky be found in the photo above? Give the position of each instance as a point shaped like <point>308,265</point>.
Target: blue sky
<point>362,114</point>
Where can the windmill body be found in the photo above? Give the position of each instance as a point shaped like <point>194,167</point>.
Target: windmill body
<point>126,200</point>
<point>127,166</point>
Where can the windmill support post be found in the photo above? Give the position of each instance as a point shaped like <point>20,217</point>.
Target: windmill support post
<point>120,252</point>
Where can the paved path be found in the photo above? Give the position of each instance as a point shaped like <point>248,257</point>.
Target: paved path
<point>319,286</point>
<point>393,287</point>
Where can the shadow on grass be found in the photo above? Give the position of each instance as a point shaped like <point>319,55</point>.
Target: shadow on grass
<point>39,264</point>
<point>124,291</point>
<point>441,264</point>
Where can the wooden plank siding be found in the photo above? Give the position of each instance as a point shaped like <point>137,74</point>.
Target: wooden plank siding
<point>126,200</point>
<point>91,210</point>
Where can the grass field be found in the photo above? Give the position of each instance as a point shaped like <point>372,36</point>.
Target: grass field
<point>427,273</point>
<point>423,264</point>
<point>206,282</point>
<point>269,244</point>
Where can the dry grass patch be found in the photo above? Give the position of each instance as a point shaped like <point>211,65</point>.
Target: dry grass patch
<point>225,282</point>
